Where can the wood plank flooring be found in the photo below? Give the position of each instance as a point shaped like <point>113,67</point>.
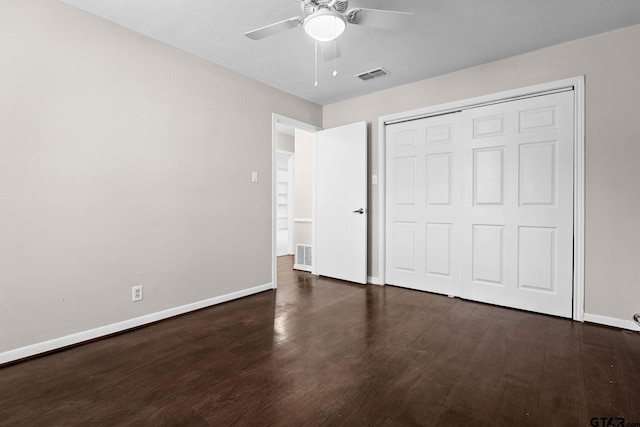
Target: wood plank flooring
<point>323,352</point>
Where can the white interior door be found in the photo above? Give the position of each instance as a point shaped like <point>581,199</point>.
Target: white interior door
<point>518,204</point>
<point>424,204</point>
<point>341,203</point>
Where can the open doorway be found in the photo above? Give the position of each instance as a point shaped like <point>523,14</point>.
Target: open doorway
<point>293,162</point>
<point>329,227</point>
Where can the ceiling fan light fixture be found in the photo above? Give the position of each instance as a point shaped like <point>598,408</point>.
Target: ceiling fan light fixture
<point>325,25</point>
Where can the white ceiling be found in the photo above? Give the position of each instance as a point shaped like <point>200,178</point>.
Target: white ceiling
<point>444,36</point>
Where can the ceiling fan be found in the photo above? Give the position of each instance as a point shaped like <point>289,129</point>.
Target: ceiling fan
<point>325,20</point>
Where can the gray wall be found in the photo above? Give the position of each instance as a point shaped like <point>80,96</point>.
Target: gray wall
<point>124,162</point>
<point>611,64</point>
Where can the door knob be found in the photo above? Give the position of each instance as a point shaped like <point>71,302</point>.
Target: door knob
<point>360,211</point>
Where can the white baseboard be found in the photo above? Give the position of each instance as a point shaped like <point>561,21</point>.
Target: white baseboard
<point>301,267</point>
<point>611,321</point>
<point>58,343</point>
<point>374,280</point>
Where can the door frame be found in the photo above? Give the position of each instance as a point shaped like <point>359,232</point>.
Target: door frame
<point>275,119</point>
<point>577,84</point>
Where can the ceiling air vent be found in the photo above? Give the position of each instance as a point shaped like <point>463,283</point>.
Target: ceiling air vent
<point>372,74</point>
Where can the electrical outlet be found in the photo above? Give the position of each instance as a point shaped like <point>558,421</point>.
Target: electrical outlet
<point>136,293</point>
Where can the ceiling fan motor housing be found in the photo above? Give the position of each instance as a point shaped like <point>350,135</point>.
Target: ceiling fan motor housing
<point>311,6</point>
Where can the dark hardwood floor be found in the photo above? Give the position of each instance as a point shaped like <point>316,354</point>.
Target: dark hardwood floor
<point>323,352</point>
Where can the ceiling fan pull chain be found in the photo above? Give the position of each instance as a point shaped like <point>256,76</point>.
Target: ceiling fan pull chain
<point>335,72</point>
<point>316,63</point>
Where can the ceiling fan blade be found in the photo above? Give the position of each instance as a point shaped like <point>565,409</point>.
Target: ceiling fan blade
<point>330,50</point>
<point>272,29</point>
<point>379,18</point>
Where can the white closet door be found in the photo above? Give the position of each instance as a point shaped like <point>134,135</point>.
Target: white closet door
<point>518,204</point>
<point>424,205</point>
